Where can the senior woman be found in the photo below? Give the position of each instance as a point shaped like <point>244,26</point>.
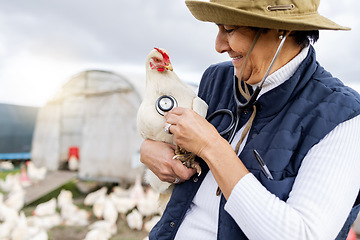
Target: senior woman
<point>304,125</point>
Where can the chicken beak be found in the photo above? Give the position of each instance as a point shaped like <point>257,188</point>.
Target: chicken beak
<point>169,67</point>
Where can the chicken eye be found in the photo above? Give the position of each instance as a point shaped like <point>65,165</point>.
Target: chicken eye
<point>157,60</point>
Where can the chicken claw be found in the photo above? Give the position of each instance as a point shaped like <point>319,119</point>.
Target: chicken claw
<point>187,159</point>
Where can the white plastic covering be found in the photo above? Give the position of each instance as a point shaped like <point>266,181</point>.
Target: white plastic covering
<point>95,111</point>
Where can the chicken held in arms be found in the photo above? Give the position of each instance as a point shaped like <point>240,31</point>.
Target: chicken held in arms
<point>164,91</point>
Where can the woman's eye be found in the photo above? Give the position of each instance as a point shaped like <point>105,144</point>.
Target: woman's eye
<point>229,29</point>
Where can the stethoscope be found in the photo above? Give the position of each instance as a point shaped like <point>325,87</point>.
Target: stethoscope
<point>167,102</point>
<point>241,107</point>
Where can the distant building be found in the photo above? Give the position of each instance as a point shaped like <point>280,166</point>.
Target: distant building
<point>94,112</point>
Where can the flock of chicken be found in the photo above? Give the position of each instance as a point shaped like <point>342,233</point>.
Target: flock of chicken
<point>138,206</point>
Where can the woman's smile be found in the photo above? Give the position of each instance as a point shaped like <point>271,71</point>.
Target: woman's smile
<point>237,60</point>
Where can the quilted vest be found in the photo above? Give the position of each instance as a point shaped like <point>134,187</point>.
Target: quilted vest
<point>290,120</point>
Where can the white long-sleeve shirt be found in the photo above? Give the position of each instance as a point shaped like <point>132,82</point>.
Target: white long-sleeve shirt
<point>321,198</point>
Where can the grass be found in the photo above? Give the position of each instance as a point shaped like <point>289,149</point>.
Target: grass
<point>4,173</point>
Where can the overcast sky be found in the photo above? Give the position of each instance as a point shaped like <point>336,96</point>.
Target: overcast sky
<point>43,43</point>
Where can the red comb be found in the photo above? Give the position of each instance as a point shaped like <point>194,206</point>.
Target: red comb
<point>165,56</point>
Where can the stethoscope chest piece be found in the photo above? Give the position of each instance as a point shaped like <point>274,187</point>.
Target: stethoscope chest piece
<point>165,103</point>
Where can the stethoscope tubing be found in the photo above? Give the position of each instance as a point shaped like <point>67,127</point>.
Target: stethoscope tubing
<point>234,123</point>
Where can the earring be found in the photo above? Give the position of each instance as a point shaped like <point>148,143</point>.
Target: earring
<point>281,34</point>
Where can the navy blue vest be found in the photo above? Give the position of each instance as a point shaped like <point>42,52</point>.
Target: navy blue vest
<point>291,119</point>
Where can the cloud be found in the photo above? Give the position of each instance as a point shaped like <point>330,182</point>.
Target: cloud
<point>45,42</point>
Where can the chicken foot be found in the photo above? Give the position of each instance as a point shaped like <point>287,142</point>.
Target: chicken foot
<point>187,159</point>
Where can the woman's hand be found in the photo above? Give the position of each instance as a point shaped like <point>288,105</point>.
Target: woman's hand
<point>195,134</point>
<point>158,157</point>
<point>191,131</point>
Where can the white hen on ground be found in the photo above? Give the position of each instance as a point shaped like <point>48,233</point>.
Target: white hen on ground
<point>36,174</point>
<point>64,197</point>
<point>73,215</point>
<point>99,206</point>
<point>104,226</point>
<point>20,230</point>
<point>110,212</point>
<point>148,205</point>
<point>16,197</point>
<point>151,223</point>
<point>123,204</point>
<point>135,220</point>
<point>11,180</point>
<point>44,222</point>
<point>45,208</point>
<point>91,198</point>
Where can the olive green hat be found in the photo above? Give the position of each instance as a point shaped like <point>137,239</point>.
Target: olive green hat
<point>297,15</point>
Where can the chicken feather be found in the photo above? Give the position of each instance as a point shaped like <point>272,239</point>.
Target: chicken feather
<point>161,81</point>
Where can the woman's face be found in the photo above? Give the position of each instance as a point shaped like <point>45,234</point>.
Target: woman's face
<point>236,41</point>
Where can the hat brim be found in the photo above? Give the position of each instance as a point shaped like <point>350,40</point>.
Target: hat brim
<point>220,14</point>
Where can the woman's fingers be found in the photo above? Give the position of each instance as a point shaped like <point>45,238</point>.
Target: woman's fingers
<point>158,157</point>
<point>191,131</point>
<point>182,171</point>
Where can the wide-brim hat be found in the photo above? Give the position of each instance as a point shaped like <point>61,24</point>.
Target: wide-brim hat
<point>297,15</point>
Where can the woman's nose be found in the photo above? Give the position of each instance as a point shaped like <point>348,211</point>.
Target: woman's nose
<point>221,42</point>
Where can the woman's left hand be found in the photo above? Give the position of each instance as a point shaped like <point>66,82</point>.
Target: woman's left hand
<point>191,131</point>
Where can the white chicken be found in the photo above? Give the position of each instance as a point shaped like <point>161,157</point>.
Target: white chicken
<point>122,204</point>
<point>135,220</point>
<point>37,234</point>
<point>64,197</point>
<point>137,191</point>
<point>23,231</point>
<point>148,206</point>
<point>72,215</point>
<point>165,90</point>
<point>120,191</point>
<point>16,197</point>
<point>98,234</point>
<point>9,182</point>
<point>110,213</point>
<point>7,214</point>
<point>20,230</point>
<point>8,220</point>
<point>44,222</point>
<point>6,165</point>
<point>73,163</point>
<point>36,174</point>
<point>45,208</point>
<point>101,230</point>
<point>151,223</point>
<point>99,206</point>
<point>6,229</point>
<point>92,197</point>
